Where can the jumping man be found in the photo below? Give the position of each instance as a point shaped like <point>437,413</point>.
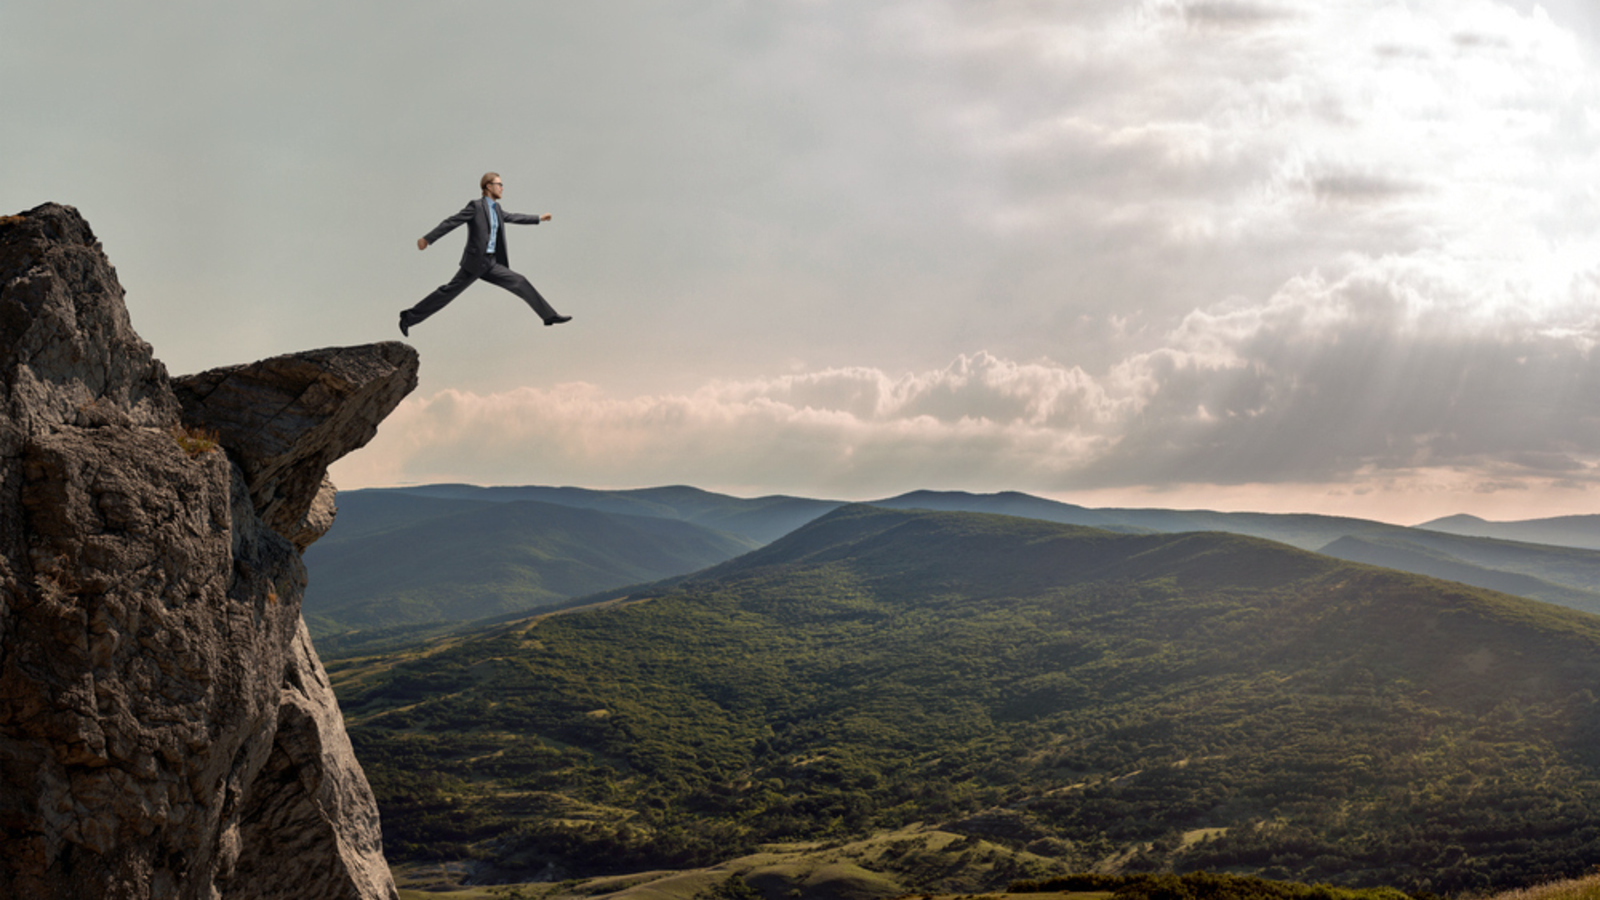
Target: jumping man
<point>484,257</point>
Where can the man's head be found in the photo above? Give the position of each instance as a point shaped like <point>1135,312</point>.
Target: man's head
<point>490,183</point>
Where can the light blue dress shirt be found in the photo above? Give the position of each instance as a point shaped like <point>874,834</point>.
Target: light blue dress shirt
<point>494,224</point>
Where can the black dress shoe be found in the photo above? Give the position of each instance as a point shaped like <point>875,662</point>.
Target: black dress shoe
<point>405,327</point>
<point>557,320</point>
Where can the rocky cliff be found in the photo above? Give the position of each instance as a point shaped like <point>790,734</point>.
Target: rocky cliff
<point>166,729</point>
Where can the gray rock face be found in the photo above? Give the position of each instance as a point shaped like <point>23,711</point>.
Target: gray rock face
<point>310,779</point>
<point>166,729</point>
<point>68,351</point>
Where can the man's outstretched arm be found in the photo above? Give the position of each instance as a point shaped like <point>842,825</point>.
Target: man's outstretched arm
<point>524,218</point>
<point>466,214</point>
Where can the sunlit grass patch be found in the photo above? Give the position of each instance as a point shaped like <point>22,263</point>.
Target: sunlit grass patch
<point>194,441</point>
<point>1574,889</point>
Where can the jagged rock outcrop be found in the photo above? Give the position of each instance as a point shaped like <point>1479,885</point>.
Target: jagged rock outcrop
<point>166,729</point>
<point>285,419</point>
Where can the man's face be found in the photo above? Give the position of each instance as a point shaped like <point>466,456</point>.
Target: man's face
<point>494,188</point>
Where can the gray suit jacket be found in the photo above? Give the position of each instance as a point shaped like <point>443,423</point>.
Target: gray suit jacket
<point>475,257</point>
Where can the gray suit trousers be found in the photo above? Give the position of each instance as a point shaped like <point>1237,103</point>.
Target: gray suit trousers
<point>497,275</point>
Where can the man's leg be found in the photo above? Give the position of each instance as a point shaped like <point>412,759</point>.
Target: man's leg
<point>437,300</point>
<point>500,276</point>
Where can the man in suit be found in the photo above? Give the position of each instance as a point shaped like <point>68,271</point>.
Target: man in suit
<point>484,257</point>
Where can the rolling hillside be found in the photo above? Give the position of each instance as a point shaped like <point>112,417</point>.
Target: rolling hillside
<point>394,559</point>
<point>355,588</point>
<point>1565,575</point>
<point>1308,532</point>
<point>1418,557</point>
<point>1570,567</point>
<point>1127,701</point>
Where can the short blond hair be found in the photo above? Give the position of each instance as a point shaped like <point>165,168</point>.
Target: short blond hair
<point>483,183</point>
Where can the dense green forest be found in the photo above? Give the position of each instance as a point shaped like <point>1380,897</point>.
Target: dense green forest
<point>1133,702</point>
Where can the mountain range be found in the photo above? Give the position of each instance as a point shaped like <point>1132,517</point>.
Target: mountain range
<point>400,562</point>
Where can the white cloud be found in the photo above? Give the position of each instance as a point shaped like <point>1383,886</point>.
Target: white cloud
<point>835,430</point>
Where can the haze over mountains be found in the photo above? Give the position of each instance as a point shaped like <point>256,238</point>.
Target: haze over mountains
<point>438,554</point>
<point>1563,531</point>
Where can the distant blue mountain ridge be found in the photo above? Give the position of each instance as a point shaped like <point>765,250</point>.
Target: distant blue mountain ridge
<point>449,553</point>
<point>1562,531</point>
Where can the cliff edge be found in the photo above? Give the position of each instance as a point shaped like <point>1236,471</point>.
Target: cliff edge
<point>166,729</point>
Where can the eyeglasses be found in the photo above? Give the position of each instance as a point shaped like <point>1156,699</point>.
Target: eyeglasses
<point>496,184</point>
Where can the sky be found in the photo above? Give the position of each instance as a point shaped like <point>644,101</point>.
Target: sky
<point>1337,256</point>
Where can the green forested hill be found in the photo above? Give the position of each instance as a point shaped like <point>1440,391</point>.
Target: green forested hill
<point>1556,572</point>
<point>393,559</point>
<point>1123,701</point>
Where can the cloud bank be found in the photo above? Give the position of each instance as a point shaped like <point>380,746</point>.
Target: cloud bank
<point>1400,374</point>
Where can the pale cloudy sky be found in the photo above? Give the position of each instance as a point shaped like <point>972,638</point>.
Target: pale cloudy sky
<point>1282,255</point>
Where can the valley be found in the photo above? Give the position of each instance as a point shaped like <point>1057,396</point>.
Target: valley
<point>1075,698</point>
